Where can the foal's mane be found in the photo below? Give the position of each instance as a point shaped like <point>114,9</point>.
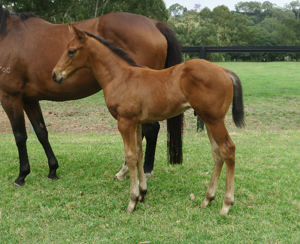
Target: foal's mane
<point>115,49</point>
<point>4,13</point>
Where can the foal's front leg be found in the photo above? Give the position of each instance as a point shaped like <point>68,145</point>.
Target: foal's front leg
<point>150,132</point>
<point>127,129</point>
<point>142,178</point>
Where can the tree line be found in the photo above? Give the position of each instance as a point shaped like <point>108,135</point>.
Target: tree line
<point>58,11</point>
<point>250,24</point>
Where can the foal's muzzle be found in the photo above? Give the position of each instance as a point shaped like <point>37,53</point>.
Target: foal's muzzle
<point>58,79</point>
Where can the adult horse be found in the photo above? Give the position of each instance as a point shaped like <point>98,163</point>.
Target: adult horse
<point>30,47</point>
<point>157,95</point>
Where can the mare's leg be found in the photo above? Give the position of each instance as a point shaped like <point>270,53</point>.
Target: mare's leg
<point>150,132</point>
<point>34,113</point>
<point>13,106</point>
<point>142,178</point>
<point>226,149</point>
<point>127,129</point>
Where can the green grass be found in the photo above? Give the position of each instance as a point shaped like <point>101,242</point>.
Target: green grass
<point>87,206</point>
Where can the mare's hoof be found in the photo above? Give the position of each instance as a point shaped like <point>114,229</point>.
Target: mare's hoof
<point>55,177</point>
<point>52,175</point>
<point>19,183</point>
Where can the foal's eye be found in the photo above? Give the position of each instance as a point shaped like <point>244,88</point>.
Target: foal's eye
<point>71,52</point>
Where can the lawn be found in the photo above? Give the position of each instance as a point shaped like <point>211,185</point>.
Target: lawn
<point>86,206</point>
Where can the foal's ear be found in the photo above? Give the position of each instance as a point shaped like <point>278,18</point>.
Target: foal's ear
<point>78,33</point>
<point>71,28</point>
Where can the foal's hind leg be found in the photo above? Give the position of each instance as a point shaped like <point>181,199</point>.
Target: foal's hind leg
<point>34,113</point>
<point>226,151</point>
<point>211,191</point>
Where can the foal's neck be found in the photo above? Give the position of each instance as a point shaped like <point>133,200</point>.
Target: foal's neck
<point>106,66</point>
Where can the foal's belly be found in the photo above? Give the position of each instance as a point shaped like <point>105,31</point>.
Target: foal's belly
<point>162,113</point>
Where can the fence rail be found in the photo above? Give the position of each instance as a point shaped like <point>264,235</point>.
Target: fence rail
<point>203,50</point>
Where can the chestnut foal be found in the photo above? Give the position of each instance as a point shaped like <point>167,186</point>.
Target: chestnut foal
<point>136,95</point>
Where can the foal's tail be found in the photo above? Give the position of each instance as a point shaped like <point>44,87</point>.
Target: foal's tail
<point>237,102</point>
<point>175,124</point>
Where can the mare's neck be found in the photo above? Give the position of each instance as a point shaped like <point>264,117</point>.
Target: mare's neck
<point>106,66</point>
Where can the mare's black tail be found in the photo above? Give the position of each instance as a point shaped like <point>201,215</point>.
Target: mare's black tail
<point>237,102</point>
<point>175,124</point>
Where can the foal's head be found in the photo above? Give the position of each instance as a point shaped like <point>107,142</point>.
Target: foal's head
<point>74,57</point>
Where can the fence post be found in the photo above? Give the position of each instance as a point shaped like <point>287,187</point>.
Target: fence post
<point>202,53</point>
<point>200,123</point>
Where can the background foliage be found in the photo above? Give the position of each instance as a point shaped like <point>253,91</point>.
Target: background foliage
<point>250,24</point>
<point>58,11</point>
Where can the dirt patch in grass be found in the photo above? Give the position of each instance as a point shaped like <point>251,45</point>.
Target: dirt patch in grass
<point>90,115</point>
<point>73,121</point>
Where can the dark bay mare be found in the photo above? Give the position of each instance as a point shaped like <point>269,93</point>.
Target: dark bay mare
<point>154,95</point>
<point>29,49</point>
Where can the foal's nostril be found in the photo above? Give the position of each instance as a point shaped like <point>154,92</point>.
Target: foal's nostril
<point>54,77</point>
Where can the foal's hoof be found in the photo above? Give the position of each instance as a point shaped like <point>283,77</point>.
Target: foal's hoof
<point>130,208</point>
<point>128,211</point>
<point>205,203</point>
<point>226,207</point>
<point>119,177</point>
<point>224,212</point>
<point>148,176</point>
<point>142,195</point>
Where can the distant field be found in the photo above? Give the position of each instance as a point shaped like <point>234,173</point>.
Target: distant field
<point>87,206</point>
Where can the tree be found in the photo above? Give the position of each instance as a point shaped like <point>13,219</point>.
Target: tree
<point>282,14</point>
<point>59,11</point>
<point>295,7</point>
<point>206,14</point>
<point>222,16</point>
<point>177,10</point>
<point>241,32</point>
<point>294,26</point>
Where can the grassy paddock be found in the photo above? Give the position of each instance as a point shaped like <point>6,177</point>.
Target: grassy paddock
<point>87,206</point>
